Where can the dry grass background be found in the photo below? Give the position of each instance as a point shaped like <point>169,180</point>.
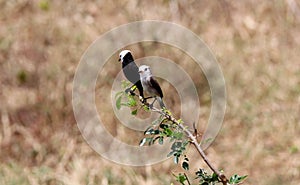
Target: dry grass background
<point>257,44</point>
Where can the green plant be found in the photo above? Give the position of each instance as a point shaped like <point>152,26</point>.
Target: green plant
<point>44,5</point>
<point>167,127</point>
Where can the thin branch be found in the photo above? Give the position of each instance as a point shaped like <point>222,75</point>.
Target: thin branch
<point>187,179</point>
<point>194,141</point>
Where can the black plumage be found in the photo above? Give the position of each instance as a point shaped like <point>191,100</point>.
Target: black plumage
<point>154,84</point>
<point>130,70</point>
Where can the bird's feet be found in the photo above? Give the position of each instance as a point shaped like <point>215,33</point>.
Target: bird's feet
<point>151,105</point>
<point>143,100</point>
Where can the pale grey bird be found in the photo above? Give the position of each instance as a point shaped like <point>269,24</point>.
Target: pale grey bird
<point>150,85</point>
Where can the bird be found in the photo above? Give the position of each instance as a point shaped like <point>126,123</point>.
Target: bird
<point>131,72</point>
<point>150,85</point>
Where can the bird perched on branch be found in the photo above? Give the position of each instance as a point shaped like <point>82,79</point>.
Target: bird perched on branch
<point>131,72</point>
<point>150,85</point>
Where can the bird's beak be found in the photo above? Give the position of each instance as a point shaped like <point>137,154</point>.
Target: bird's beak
<point>140,71</point>
<point>119,59</point>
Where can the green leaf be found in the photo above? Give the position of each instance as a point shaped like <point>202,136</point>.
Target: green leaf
<point>146,108</point>
<point>134,112</point>
<point>22,76</point>
<point>171,153</point>
<point>176,145</point>
<point>149,131</point>
<point>161,140</point>
<point>180,121</point>
<point>185,158</point>
<point>214,177</point>
<point>118,102</point>
<point>180,178</point>
<point>143,141</point>
<point>235,179</point>
<point>167,112</point>
<point>202,175</point>
<point>131,101</point>
<point>176,159</point>
<point>294,149</point>
<point>151,141</point>
<point>163,126</point>
<point>185,165</point>
<point>168,132</point>
<point>44,5</point>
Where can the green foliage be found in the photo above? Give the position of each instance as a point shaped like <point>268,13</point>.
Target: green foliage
<point>205,178</point>
<point>180,178</point>
<point>294,149</point>
<point>185,163</point>
<point>236,179</point>
<point>119,99</point>
<point>212,179</point>
<point>130,100</point>
<point>44,5</point>
<point>22,76</point>
<point>134,112</point>
<point>177,150</point>
<point>146,108</point>
<point>163,128</point>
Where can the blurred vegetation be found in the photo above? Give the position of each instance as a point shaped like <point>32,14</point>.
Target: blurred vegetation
<point>41,42</point>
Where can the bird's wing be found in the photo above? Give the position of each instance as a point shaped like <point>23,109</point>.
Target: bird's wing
<point>131,72</point>
<point>154,84</point>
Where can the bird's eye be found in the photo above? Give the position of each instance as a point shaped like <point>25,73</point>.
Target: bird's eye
<point>120,56</point>
<point>146,69</point>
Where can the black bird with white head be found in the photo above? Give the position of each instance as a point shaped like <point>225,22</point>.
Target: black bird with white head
<point>131,71</point>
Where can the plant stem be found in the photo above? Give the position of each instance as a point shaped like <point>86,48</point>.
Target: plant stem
<point>187,179</point>
<point>194,141</point>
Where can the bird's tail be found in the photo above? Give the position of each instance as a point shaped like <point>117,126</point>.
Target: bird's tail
<point>161,102</point>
